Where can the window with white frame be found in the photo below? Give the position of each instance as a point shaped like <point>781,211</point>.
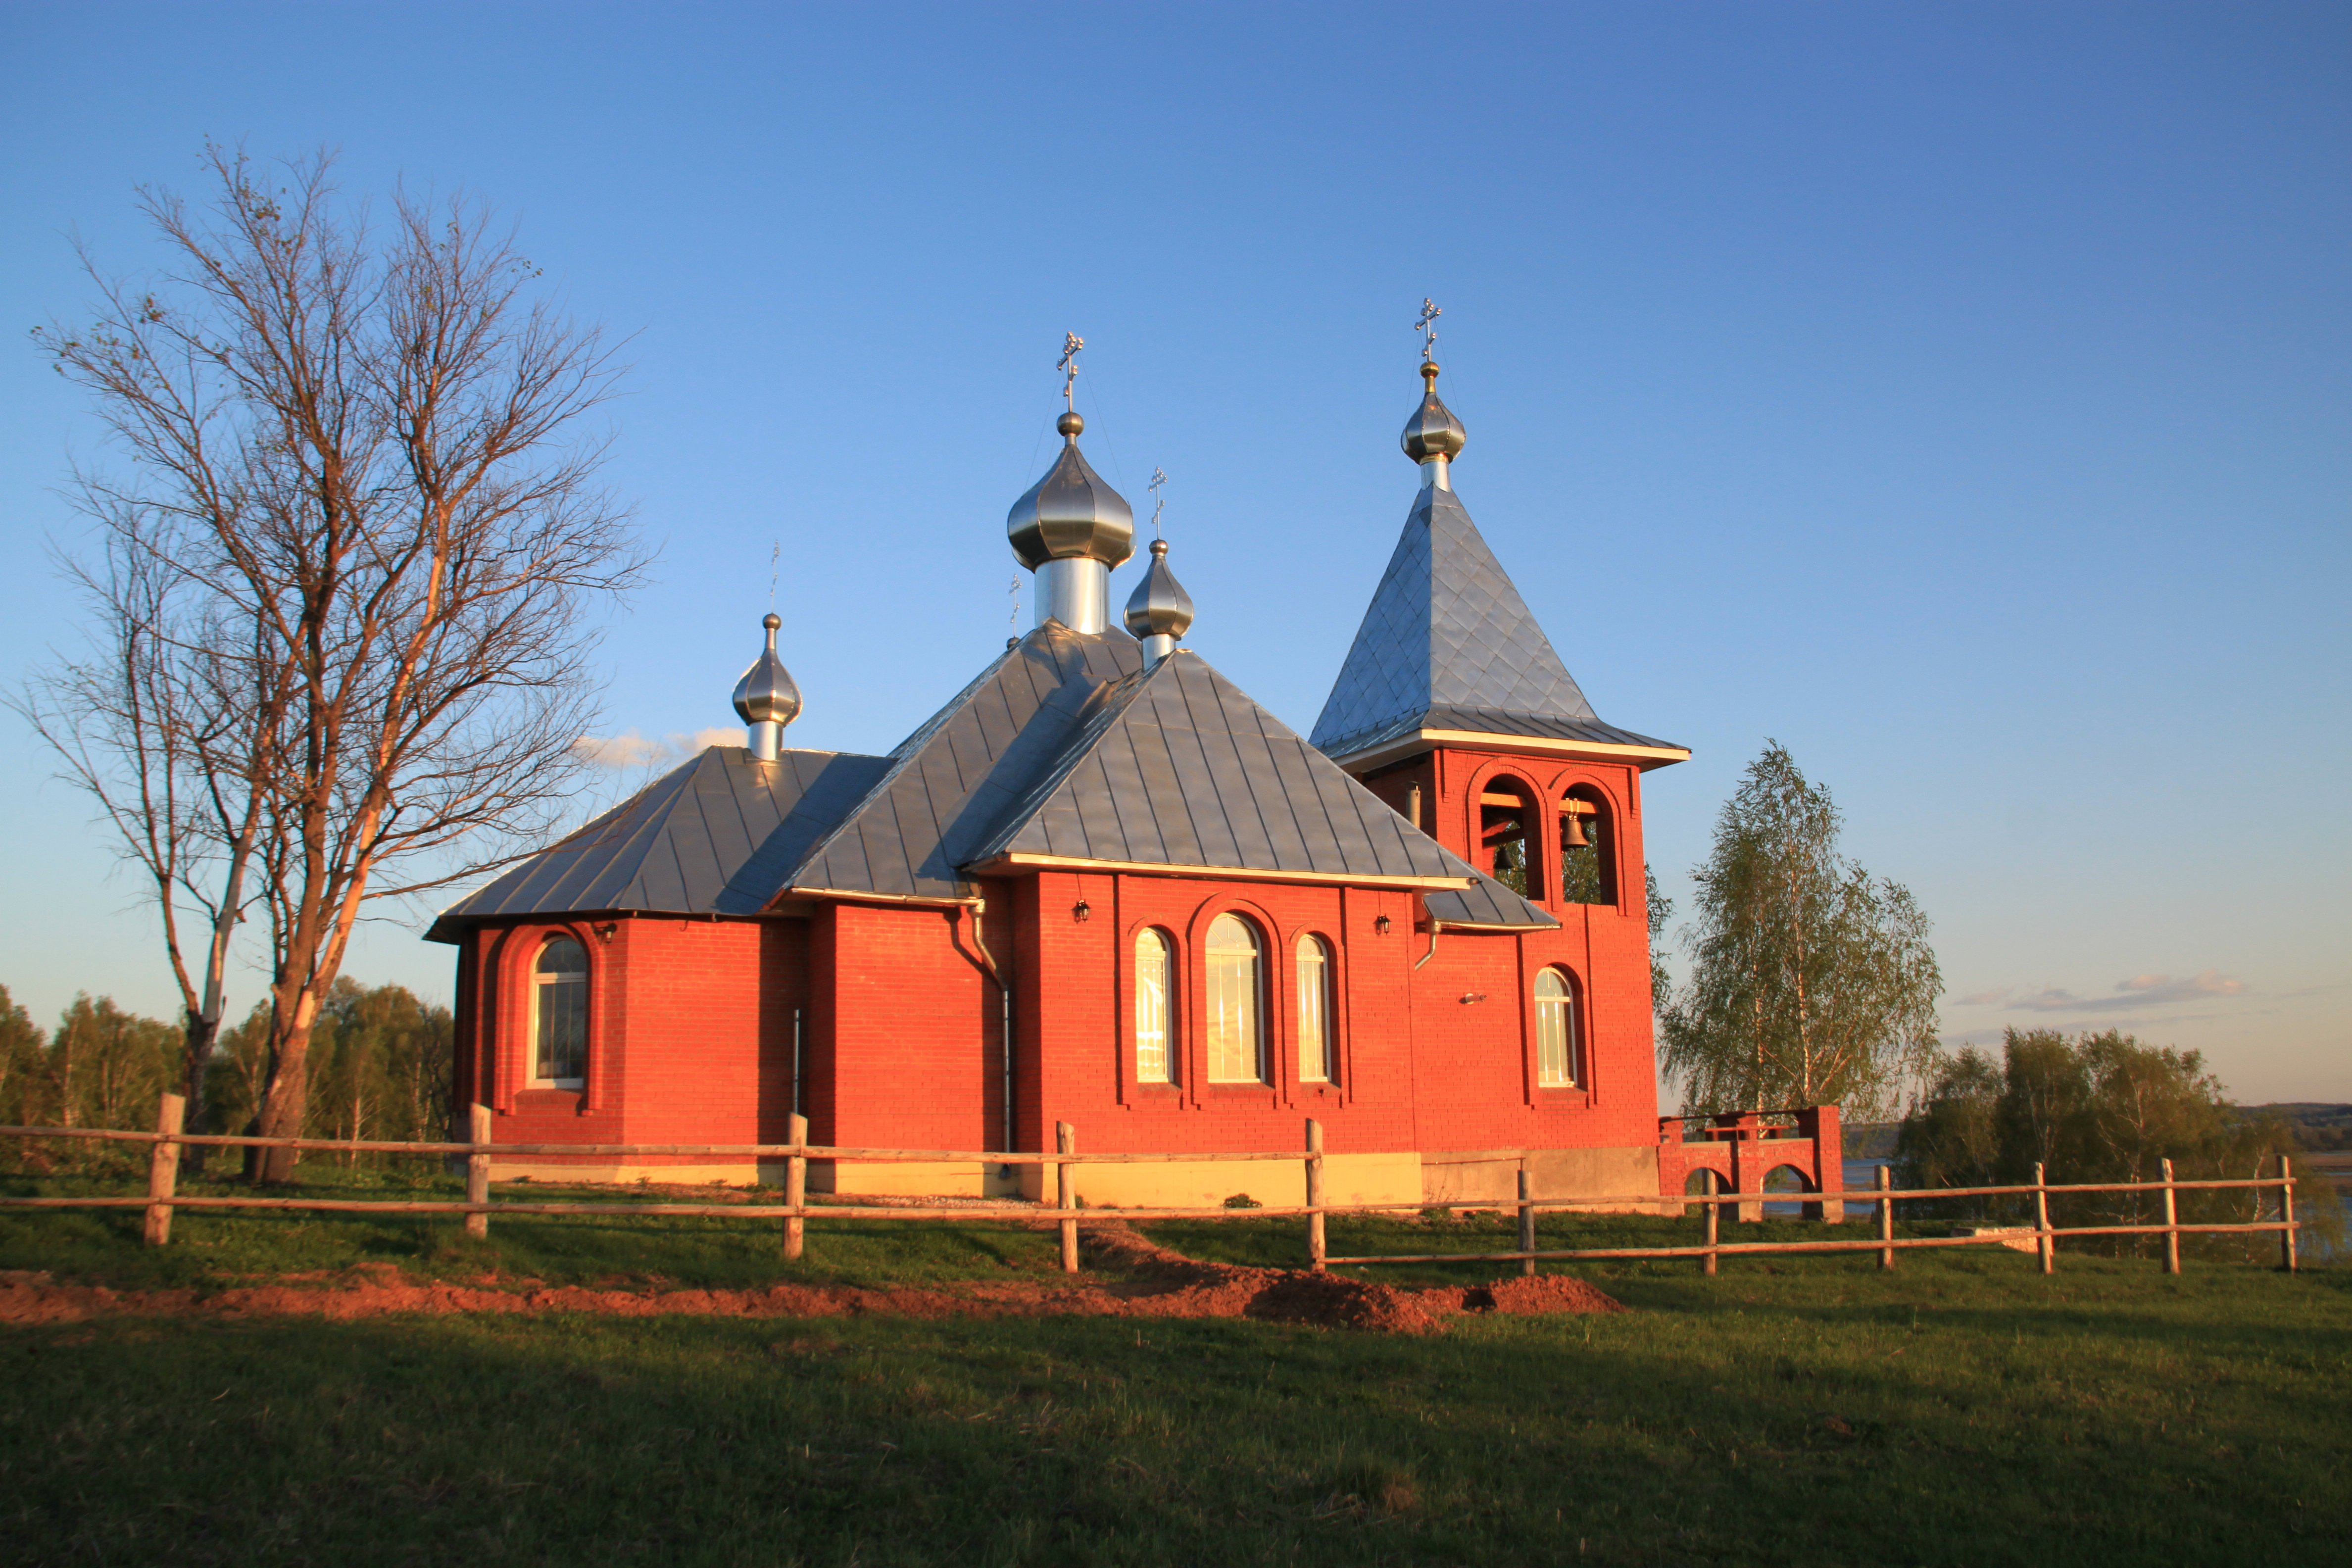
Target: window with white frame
<point>1151,1010</point>
<point>1554,1031</point>
<point>1236,1034</point>
<point>560,1014</point>
<point>1316,1049</point>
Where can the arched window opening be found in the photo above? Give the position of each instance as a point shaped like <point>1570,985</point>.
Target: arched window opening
<point>1507,841</point>
<point>1152,1057</point>
<point>1236,985</point>
<point>1555,1052</point>
<point>1588,865</point>
<point>1317,1055</point>
<point>559,1008</point>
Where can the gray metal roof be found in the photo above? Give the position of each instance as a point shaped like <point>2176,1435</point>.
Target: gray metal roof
<point>952,781</point>
<point>1488,904</point>
<point>1447,643</point>
<point>680,845</point>
<point>1179,767</point>
<point>1064,747</point>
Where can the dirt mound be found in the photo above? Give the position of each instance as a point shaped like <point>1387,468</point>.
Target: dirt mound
<point>1539,1293</point>
<point>1175,1286</point>
<point>1164,1285</point>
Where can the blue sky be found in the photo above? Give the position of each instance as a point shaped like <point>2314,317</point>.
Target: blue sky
<point>1958,394</point>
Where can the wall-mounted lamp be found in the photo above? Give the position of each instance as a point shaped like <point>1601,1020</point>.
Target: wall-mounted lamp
<point>1470,998</point>
<point>1081,911</point>
<point>605,930</point>
<point>1381,925</point>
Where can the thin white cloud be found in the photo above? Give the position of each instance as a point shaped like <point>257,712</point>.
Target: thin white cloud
<point>2193,988</point>
<point>625,750</point>
<point>630,749</point>
<point>2139,991</point>
<point>703,740</point>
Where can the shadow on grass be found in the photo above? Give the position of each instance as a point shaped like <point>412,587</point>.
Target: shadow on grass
<point>1778,1418</point>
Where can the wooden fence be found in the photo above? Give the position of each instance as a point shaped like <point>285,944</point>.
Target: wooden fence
<point>162,1196</point>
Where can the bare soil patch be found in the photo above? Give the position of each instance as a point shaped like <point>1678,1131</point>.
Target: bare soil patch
<point>1161,1284</point>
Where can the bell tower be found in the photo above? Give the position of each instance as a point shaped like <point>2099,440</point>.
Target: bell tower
<point>1454,708</point>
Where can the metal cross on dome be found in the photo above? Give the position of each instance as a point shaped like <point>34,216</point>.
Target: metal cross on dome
<point>1159,479</point>
<point>1427,326</point>
<point>1068,364</point>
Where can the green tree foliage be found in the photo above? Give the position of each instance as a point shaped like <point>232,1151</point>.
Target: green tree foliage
<point>22,1064</point>
<point>1811,981</point>
<point>380,1069</point>
<point>101,1067</point>
<point>108,1067</point>
<point>2095,1107</point>
<point>1661,911</point>
<point>383,1073</point>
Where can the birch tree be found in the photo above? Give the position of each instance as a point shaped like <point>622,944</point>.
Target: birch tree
<point>1811,981</point>
<point>356,476</point>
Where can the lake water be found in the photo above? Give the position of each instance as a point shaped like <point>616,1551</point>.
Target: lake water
<point>1861,1174</point>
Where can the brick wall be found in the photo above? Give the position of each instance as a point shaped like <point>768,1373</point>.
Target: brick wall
<point>693,1018</point>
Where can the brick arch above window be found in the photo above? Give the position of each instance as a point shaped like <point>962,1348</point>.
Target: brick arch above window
<point>517,1016</point>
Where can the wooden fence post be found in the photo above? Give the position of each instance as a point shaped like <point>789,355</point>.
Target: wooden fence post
<point>797,1187</point>
<point>477,1168</point>
<point>2048,1246</point>
<point>2287,1259</point>
<point>2171,1223</point>
<point>164,1169</point>
<point>1317,1242</point>
<point>1066,1188</point>
<point>1714,1219</point>
<point>1527,1221</point>
<point>1885,1220</point>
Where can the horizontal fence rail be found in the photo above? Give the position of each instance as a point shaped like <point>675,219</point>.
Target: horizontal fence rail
<point>1061,1207</point>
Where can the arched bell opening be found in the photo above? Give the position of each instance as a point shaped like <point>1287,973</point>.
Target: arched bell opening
<point>1588,860</point>
<point>1509,843</point>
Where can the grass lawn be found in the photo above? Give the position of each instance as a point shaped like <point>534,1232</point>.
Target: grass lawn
<point>1961,1410</point>
<point>219,1247</point>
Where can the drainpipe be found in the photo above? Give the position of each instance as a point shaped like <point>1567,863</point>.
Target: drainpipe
<point>1005,994</point>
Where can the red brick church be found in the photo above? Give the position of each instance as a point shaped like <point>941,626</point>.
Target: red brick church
<point>1103,886</point>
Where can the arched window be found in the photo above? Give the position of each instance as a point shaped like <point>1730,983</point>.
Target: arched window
<point>1556,1061</point>
<point>1588,873</point>
<point>1508,847</point>
<point>1151,1055</point>
<point>1235,1028</point>
<point>1318,1056</point>
<point>559,1009</point>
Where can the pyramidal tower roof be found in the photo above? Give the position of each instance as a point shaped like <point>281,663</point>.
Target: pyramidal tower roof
<point>1448,652</point>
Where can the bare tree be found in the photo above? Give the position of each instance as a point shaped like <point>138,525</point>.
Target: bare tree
<point>382,577</point>
<point>170,721</point>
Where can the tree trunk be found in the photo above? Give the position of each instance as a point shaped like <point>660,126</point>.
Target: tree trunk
<point>287,1096</point>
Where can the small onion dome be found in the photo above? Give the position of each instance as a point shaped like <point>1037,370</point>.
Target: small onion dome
<point>1071,512</point>
<point>1160,607</point>
<point>1432,431</point>
<point>766,694</point>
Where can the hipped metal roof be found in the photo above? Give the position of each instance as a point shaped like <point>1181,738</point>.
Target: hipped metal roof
<point>1447,644</point>
<point>1064,751</point>
<point>677,844</point>
<point>1179,767</point>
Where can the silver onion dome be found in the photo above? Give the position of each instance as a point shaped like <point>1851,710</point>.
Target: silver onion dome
<point>1160,611</point>
<point>1071,514</point>
<point>1433,433</point>
<point>767,699</point>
